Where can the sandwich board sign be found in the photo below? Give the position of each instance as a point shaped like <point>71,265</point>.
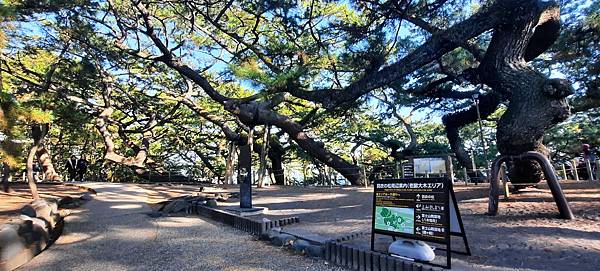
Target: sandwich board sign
<point>423,209</point>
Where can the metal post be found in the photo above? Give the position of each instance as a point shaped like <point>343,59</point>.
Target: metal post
<point>575,173</point>
<point>552,180</point>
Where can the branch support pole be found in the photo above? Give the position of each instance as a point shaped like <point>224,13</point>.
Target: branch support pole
<point>561,202</point>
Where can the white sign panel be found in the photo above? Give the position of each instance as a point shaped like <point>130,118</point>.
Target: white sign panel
<point>430,165</point>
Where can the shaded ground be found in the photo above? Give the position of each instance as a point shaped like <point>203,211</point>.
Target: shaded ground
<point>525,235</point>
<point>114,232</point>
<point>11,203</point>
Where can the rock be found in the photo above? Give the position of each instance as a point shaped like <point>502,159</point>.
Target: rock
<point>86,197</point>
<point>283,239</point>
<point>28,210</point>
<point>65,201</point>
<point>300,245</point>
<point>40,209</point>
<point>315,251</point>
<point>37,221</point>
<point>212,203</point>
<point>35,230</point>
<point>10,242</point>
<point>155,214</point>
<point>175,206</point>
<point>53,203</point>
<point>264,237</point>
<point>271,233</point>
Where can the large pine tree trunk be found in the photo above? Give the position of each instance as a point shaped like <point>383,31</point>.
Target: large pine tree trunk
<point>43,156</point>
<point>38,132</point>
<point>275,152</point>
<point>229,164</point>
<point>536,102</point>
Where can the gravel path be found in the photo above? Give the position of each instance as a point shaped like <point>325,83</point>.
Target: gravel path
<point>114,232</point>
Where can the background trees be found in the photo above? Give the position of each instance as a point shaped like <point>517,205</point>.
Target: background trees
<point>343,86</point>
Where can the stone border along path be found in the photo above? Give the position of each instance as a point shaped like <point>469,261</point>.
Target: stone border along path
<point>116,232</point>
<point>333,251</point>
<point>39,225</point>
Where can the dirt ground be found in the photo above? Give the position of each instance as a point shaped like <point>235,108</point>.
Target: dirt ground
<point>526,234</point>
<point>11,203</point>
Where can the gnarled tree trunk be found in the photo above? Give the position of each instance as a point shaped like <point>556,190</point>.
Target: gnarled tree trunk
<point>536,102</point>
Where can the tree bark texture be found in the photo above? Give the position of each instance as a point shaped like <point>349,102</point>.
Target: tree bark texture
<point>38,132</point>
<point>536,103</point>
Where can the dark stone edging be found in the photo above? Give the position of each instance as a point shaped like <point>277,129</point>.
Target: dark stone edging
<point>242,223</point>
<point>333,251</point>
<point>39,225</point>
<point>365,260</point>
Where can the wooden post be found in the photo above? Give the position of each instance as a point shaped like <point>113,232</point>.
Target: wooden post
<point>449,168</point>
<point>365,176</point>
<point>588,167</point>
<point>564,171</point>
<point>598,170</point>
<point>504,181</point>
<point>575,170</point>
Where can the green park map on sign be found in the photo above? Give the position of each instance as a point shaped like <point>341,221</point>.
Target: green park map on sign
<point>395,219</point>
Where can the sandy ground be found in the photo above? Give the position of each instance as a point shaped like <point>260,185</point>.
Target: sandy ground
<point>525,235</point>
<point>11,203</point>
<point>114,232</point>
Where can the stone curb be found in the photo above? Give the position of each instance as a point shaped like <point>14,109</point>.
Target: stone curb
<point>242,223</point>
<point>21,241</point>
<point>365,260</point>
<point>333,251</point>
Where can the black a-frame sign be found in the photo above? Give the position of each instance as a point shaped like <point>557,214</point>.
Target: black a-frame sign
<point>422,209</point>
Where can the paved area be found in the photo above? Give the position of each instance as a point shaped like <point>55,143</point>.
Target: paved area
<point>526,234</point>
<point>114,232</point>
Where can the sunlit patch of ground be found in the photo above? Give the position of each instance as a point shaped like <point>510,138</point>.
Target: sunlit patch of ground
<point>11,203</point>
<point>526,233</point>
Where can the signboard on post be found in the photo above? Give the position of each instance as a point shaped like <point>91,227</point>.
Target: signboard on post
<point>245,176</point>
<point>417,208</point>
<point>430,165</point>
<point>408,170</point>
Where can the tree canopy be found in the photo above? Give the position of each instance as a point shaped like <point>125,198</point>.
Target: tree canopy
<point>144,87</point>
